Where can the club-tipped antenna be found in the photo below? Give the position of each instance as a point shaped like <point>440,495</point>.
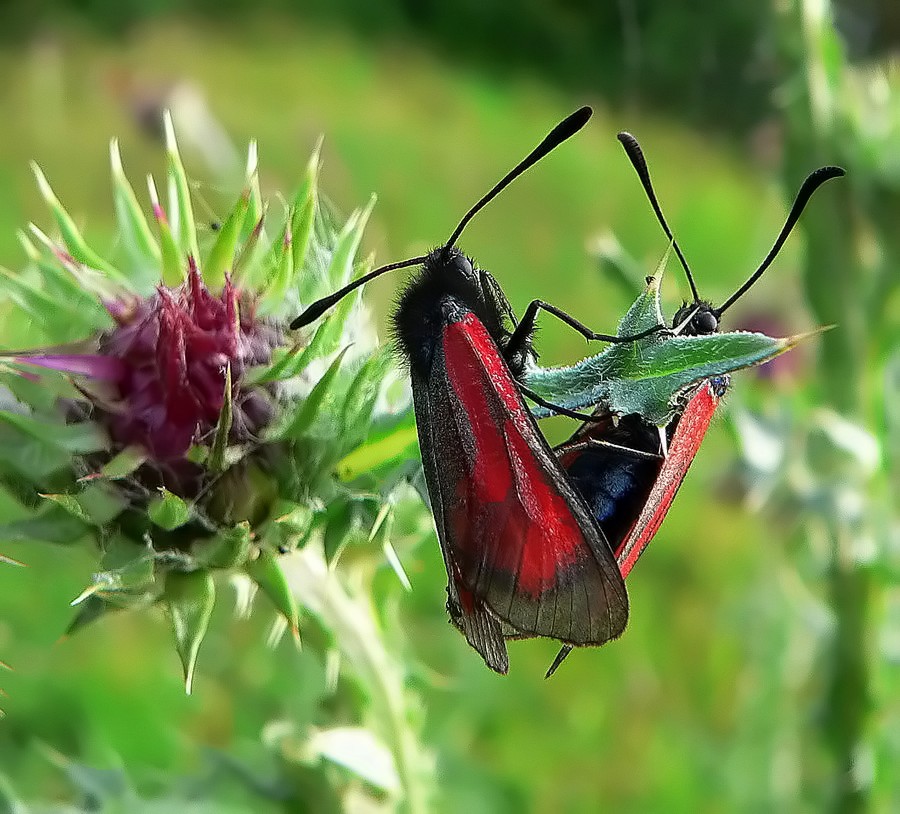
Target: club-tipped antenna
<point>813,181</point>
<point>319,307</point>
<point>568,127</point>
<point>636,156</point>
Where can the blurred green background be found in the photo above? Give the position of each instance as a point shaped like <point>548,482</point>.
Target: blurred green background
<point>758,670</point>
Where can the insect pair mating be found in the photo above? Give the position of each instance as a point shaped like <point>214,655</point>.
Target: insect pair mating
<point>537,541</point>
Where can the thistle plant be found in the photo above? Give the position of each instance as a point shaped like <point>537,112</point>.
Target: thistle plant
<point>163,411</point>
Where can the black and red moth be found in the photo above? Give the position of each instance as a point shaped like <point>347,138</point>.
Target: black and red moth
<point>627,469</point>
<point>524,555</point>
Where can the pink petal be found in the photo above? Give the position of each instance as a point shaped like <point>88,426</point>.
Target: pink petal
<point>106,368</point>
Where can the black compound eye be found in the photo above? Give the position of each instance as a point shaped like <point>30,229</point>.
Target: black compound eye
<point>706,322</point>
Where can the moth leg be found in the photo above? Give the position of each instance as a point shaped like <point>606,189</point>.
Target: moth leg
<point>521,337</point>
<point>557,408</point>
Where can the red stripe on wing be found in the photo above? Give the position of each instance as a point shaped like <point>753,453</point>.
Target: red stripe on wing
<point>689,434</point>
<point>540,536</point>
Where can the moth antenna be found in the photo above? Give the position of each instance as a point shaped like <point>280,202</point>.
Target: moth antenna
<point>568,127</point>
<point>813,181</point>
<point>636,156</point>
<point>319,307</point>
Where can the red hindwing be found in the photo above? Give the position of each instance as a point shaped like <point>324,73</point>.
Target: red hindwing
<point>689,434</point>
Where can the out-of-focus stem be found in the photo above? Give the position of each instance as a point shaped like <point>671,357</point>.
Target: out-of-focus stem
<point>319,589</point>
<point>834,292</point>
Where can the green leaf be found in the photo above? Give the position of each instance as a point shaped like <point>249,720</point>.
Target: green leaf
<point>133,226</point>
<point>647,375</point>
<point>53,525</point>
<point>360,752</point>
<point>173,267</point>
<point>123,464</point>
<point>90,610</point>
<point>181,213</point>
<point>397,444</point>
<point>169,511</point>
<point>9,803</point>
<point>96,504</point>
<point>46,310</point>
<point>340,520</point>
<point>98,785</point>
<point>128,578</point>
<point>222,254</point>
<point>266,572</point>
<point>295,361</point>
<point>255,204</point>
<point>216,461</point>
<point>85,311</point>
<point>230,548</point>
<point>339,273</point>
<point>72,237</point>
<point>305,413</point>
<point>90,280</point>
<point>281,277</point>
<point>303,211</point>
<point>190,598</point>
<point>78,439</point>
<point>362,394</point>
<point>71,505</point>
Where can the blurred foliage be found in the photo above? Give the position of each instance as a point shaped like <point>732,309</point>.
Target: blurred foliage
<point>759,670</point>
<point>629,52</point>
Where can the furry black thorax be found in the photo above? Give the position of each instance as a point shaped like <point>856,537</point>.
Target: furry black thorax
<point>448,286</point>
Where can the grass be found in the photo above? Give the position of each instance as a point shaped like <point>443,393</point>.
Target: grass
<point>655,721</point>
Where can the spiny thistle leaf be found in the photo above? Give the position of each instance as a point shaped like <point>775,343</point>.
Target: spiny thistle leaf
<point>221,255</point>
<point>172,265</point>
<point>383,447</point>
<point>230,548</point>
<point>124,463</point>
<point>303,210</point>
<point>53,525</point>
<point>359,402</point>
<point>266,572</point>
<point>189,598</point>
<point>306,412</point>
<point>169,511</point>
<point>340,271</point>
<point>75,438</point>
<point>255,205</point>
<point>281,276</point>
<point>295,361</point>
<point>71,235</point>
<point>133,227</point>
<point>647,375</point>
<point>181,212</point>
<point>216,461</point>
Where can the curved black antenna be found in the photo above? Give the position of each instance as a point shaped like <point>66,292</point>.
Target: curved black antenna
<point>813,181</point>
<point>568,127</point>
<point>636,156</point>
<point>319,307</point>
